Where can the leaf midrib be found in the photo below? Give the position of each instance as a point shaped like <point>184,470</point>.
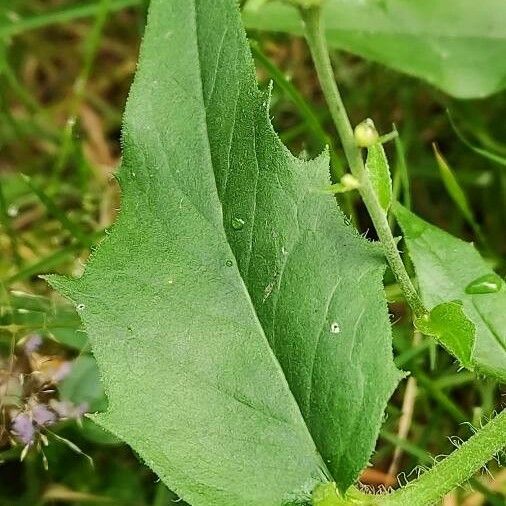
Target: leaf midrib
<point>243,284</point>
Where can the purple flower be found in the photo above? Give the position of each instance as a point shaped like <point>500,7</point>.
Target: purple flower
<point>42,415</point>
<point>23,428</point>
<point>33,343</point>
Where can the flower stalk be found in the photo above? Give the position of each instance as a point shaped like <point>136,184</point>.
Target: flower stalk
<point>317,43</point>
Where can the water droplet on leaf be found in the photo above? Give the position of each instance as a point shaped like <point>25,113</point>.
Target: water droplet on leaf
<point>489,283</point>
<point>80,307</point>
<point>237,223</point>
<point>335,328</point>
<point>229,263</point>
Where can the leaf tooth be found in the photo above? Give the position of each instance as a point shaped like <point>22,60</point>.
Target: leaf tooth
<point>65,285</point>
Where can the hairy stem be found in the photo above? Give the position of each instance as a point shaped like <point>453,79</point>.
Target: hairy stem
<point>319,51</point>
<point>445,476</point>
<point>454,469</point>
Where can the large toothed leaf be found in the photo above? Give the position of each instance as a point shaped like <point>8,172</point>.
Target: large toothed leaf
<point>449,269</point>
<point>316,285</point>
<point>456,45</point>
<point>237,320</point>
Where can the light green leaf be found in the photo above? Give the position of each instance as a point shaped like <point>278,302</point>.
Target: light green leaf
<point>16,16</point>
<point>449,269</point>
<point>366,136</point>
<point>379,173</point>
<point>449,324</point>
<point>226,262</point>
<point>456,45</point>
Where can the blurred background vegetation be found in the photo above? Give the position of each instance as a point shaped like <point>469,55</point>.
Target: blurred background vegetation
<point>65,71</point>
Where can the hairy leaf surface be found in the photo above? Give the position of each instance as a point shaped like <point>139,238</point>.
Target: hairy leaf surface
<point>456,45</point>
<point>226,262</point>
<point>450,269</point>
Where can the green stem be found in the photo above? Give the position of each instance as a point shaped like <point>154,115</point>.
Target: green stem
<point>445,476</point>
<point>315,36</point>
<point>454,469</point>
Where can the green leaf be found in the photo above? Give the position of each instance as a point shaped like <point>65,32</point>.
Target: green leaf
<point>449,324</point>
<point>226,262</point>
<point>366,136</point>
<point>449,269</point>
<point>379,173</point>
<point>456,45</point>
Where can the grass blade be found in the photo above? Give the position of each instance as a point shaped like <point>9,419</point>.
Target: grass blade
<point>501,160</point>
<point>57,213</point>
<point>456,192</point>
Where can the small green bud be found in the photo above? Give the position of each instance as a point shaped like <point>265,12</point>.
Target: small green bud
<point>349,182</point>
<point>346,184</point>
<point>366,134</point>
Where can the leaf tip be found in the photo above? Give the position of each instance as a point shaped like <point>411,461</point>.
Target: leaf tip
<point>65,285</point>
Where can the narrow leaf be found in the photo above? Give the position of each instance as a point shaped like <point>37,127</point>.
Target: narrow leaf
<point>379,173</point>
<point>449,269</point>
<point>402,170</point>
<point>455,190</point>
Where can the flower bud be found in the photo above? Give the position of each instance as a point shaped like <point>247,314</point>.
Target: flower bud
<point>366,134</point>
